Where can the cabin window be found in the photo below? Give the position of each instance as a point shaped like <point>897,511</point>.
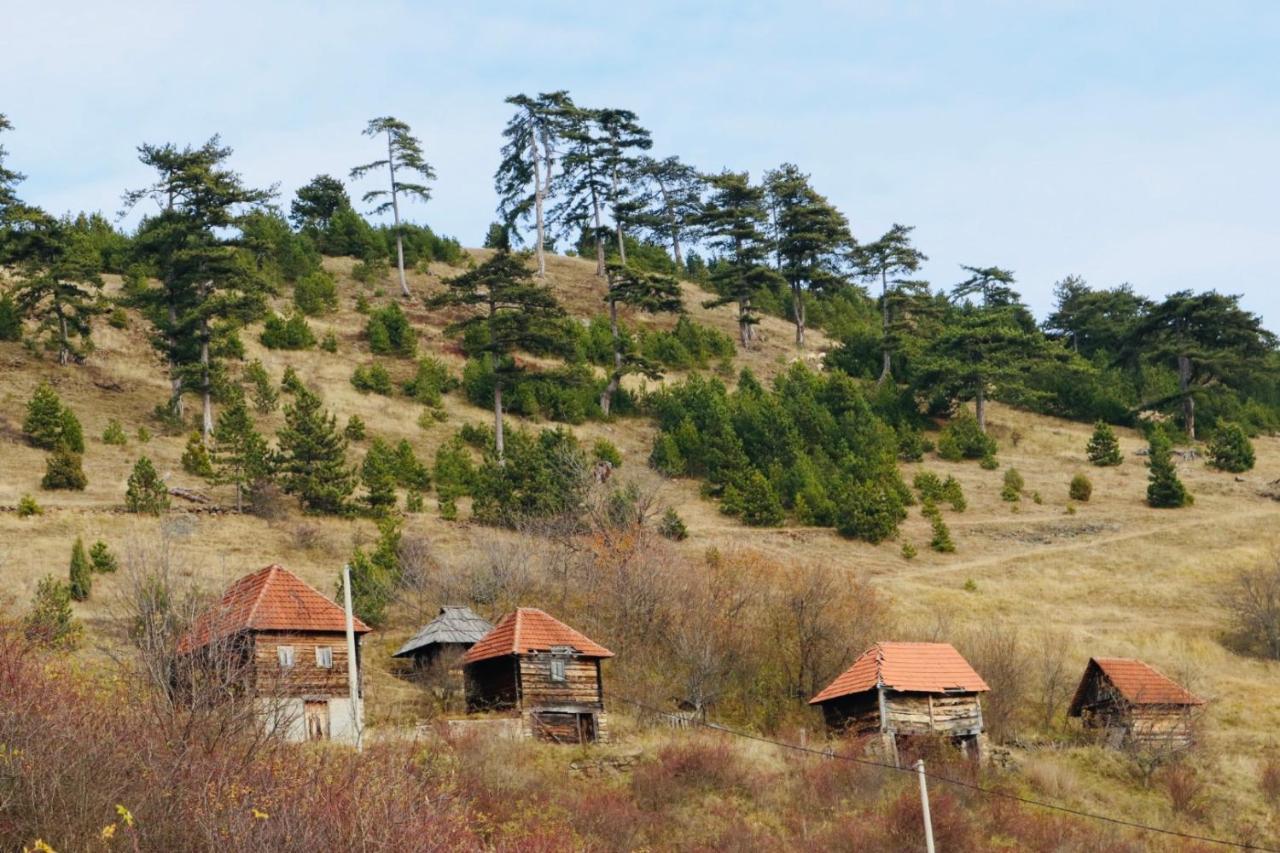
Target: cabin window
<point>284,654</point>
<point>557,669</point>
<point>324,657</point>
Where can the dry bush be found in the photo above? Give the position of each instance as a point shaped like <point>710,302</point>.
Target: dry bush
<point>685,770</point>
<point>1269,779</point>
<point>1253,600</point>
<point>1186,788</point>
<point>309,536</point>
<point>998,654</point>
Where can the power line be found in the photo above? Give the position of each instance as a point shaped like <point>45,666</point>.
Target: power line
<point>960,783</point>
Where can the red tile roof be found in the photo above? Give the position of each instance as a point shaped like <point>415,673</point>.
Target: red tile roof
<point>1136,682</point>
<point>270,599</point>
<point>528,629</point>
<point>908,668</point>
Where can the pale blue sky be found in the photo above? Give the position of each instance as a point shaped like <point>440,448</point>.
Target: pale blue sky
<point>1130,141</point>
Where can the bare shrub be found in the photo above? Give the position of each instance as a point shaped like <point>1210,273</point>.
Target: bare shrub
<point>997,653</point>
<point>1186,789</point>
<point>684,769</point>
<point>309,536</point>
<point>1054,679</point>
<point>1253,600</point>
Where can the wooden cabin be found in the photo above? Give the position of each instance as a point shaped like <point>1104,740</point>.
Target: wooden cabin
<point>445,639</point>
<point>897,690</point>
<point>1131,702</point>
<point>539,668</point>
<point>285,645</point>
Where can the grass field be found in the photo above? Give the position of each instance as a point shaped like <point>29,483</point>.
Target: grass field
<point>1112,578</point>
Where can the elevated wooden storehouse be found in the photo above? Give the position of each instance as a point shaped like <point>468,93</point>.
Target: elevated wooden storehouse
<point>896,690</point>
<point>1130,701</point>
<point>284,645</point>
<point>537,667</point>
<point>445,639</point>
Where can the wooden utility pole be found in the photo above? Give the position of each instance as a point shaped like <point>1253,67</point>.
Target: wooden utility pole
<point>924,807</point>
<point>353,675</point>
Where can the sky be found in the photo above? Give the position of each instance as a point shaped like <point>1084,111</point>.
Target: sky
<point>1123,142</point>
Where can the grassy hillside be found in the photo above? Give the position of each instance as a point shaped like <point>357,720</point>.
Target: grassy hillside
<point>1112,577</point>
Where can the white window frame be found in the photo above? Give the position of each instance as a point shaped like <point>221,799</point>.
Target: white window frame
<point>324,657</point>
<point>558,666</point>
<point>285,657</point>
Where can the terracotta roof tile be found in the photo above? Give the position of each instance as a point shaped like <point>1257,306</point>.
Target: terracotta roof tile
<point>528,629</point>
<point>1137,683</point>
<point>270,599</point>
<point>906,667</point>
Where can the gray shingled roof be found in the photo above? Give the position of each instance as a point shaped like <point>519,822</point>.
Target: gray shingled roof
<point>453,625</point>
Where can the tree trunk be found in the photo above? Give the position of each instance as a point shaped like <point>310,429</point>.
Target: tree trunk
<point>206,390</point>
<point>64,349</point>
<point>498,443</point>
<point>395,215</point>
<point>175,378</point>
<point>606,396</point>
<point>595,206</point>
<point>980,406</point>
<point>886,366</point>
<point>744,328</point>
<point>675,247</point>
<point>239,497</point>
<point>797,307</point>
<point>617,223</point>
<point>537,203</point>
<point>674,225</point>
<point>1188,402</point>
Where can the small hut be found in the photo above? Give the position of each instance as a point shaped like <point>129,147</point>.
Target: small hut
<point>1134,703</point>
<point>442,642</point>
<point>898,690</point>
<point>276,639</point>
<point>541,669</point>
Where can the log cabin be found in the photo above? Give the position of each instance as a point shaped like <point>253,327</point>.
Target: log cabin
<point>445,639</point>
<point>284,644</point>
<point>1132,703</point>
<point>536,667</point>
<point>907,690</point>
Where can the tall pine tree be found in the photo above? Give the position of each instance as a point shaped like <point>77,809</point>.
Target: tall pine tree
<point>404,156</point>
<point>523,180</point>
<point>733,220</point>
<point>668,202</point>
<point>313,456</point>
<point>887,260</point>
<point>653,293</point>
<point>509,310</point>
<point>239,455</point>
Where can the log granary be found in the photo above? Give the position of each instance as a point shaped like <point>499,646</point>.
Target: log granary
<point>281,644</point>
<point>907,690</point>
<point>534,666</point>
<point>445,639</point>
<point>1133,704</point>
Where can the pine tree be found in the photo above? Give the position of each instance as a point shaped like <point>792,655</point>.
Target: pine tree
<point>378,474</point>
<point>316,203</point>
<point>652,293</point>
<point>404,156</point>
<point>9,180</point>
<point>1104,448</point>
<point>71,434</point>
<point>374,576</point>
<point>668,203</point>
<point>810,238</point>
<point>239,456</point>
<point>264,395</point>
<point>51,622</point>
<point>1231,450</point>
<point>104,562</point>
<point>511,310</point>
<point>888,259</point>
<point>10,317</point>
<point>759,504</point>
<point>146,492</point>
<point>58,283</point>
<point>43,424</point>
<point>81,573</point>
<point>195,457</point>
<point>533,136</point>
<point>313,456</point>
<point>210,282</point>
<point>62,470</point>
<point>732,220</point>
<point>1165,490</point>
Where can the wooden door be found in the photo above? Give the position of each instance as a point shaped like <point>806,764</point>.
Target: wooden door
<point>316,716</point>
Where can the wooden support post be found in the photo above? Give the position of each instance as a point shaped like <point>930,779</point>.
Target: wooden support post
<point>924,807</point>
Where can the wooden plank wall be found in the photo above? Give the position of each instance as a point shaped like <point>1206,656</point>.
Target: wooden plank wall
<point>929,713</point>
<point>580,687</point>
<point>305,678</point>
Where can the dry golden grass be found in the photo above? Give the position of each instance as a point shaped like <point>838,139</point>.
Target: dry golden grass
<point>1114,578</point>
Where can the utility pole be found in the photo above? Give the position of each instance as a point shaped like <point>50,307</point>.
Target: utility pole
<point>924,807</point>
<point>353,677</point>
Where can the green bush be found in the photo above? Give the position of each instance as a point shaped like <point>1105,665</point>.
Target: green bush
<point>72,435</point>
<point>672,526</point>
<point>389,332</point>
<point>104,562</point>
<point>759,506</point>
<point>908,551</point>
<point>941,541</point>
<point>928,486</point>
<point>378,475</point>
<point>293,333</point>
<point>48,423</point>
<point>62,470</point>
<point>962,438</point>
<point>410,473</point>
<point>354,430</point>
<point>80,572</point>
<point>1230,449</point>
<point>1165,490</point>
<point>1013,485</point>
<point>195,457</point>
<point>370,270</point>
<point>374,575</point>
<point>10,318</point>
<point>1103,448</point>
<point>605,451</point>
<point>315,293</point>
<point>372,378</point>
<point>988,463</point>
<point>114,434</point>
<point>431,381</point>
<point>146,492</point>
<point>413,501</point>
<point>329,343</point>
<point>953,494</point>
<point>1081,489</point>
<point>666,458</point>
<point>118,319</point>
<point>51,622</point>
<point>261,390</point>
<point>291,383</point>
<point>28,507</point>
<point>455,473</point>
<point>870,511</point>
<point>448,508</point>
<point>543,476</point>
<point>143,435</point>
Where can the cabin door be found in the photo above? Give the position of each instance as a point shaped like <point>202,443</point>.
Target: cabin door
<point>316,716</point>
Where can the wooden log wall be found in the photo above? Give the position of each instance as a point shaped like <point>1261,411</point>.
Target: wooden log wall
<point>931,713</point>
<point>305,677</point>
<point>580,687</point>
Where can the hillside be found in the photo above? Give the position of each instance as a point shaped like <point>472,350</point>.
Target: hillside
<point>1111,577</point>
